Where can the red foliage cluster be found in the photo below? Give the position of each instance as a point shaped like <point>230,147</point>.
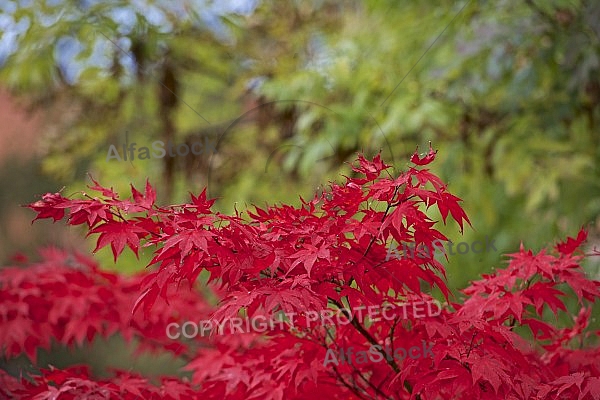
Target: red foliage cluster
<point>75,383</point>
<point>328,253</point>
<point>67,299</point>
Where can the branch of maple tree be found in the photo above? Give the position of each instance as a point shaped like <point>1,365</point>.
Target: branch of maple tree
<point>329,252</point>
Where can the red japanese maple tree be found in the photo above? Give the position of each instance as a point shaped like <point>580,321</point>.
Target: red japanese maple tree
<point>327,254</point>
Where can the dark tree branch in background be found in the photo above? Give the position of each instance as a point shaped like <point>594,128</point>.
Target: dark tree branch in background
<point>167,96</point>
